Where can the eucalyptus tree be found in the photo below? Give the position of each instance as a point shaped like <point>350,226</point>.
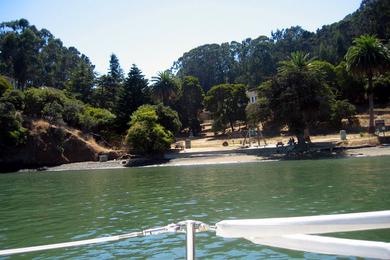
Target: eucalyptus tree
<point>191,103</point>
<point>369,57</point>
<point>82,80</point>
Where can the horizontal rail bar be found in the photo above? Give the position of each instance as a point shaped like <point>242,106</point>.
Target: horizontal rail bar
<point>328,245</point>
<point>270,227</point>
<point>67,244</point>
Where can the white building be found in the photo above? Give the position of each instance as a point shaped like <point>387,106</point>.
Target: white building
<point>252,95</point>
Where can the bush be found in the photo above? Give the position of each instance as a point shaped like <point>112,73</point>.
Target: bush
<point>144,113</point>
<point>11,131</point>
<point>168,118</point>
<point>146,135</point>
<point>53,112</point>
<point>37,98</point>
<point>72,111</point>
<point>15,97</point>
<point>96,119</point>
<point>4,85</point>
<point>149,138</point>
<point>341,109</point>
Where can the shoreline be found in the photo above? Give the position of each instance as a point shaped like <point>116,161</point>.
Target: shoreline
<point>216,159</point>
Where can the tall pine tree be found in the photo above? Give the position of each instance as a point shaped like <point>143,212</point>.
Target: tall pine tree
<point>106,94</point>
<point>132,94</point>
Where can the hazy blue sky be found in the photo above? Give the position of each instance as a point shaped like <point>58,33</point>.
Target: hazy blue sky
<point>153,34</point>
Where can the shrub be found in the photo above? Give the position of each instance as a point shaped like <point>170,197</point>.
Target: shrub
<point>15,97</point>
<point>341,109</point>
<point>168,118</point>
<point>37,98</point>
<point>96,119</point>
<point>53,112</point>
<point>148,138</point>
<point>11,131</point>
<point>72,111</point>
<point>146,135</point>
<point>144,113</point>
<point>4,85</point>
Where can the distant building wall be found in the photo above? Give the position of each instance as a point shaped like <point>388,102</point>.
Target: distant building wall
<point>252,95</point>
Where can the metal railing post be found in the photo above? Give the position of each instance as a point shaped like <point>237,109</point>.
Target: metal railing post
<point>190,236</point>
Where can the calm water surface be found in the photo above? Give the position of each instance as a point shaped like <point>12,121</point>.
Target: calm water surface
<point>51,207</point>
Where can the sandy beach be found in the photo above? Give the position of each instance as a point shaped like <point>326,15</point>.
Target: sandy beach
<point>215,158</point>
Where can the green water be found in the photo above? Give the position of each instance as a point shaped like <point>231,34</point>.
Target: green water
<point>51,207</point>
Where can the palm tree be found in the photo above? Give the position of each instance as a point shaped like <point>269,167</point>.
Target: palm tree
<point>301,73</point>
<point>165,88</point>
<point>370,57</point>
<point>299,61</point>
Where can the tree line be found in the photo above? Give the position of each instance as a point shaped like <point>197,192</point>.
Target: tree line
<point>303,80</point>
<point>253,61</point>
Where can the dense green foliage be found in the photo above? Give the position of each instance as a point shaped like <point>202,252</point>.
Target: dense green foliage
<point>341,109</point>
<point>35,58</point>
<point>368,56</point>
<point>165,88</point>
<point>146,135</point>
<point>11,131</point>
<point>253,61</point>
<point>4,85</point>
<point>57,107</point>
<point>298,95</point>
<point>227,104</point>
<point>191,104</point>
<point>134,93</point>
<point>96,120</point>
<point>81,81</point>
<point>168,118</point>
<point>108,86</point>
<point>15,97</point>
<point>11,102</point>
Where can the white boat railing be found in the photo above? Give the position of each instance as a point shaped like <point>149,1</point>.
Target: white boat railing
<point>295,233</point>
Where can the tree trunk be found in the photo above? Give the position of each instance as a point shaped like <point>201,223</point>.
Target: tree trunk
<point>371,127</point>
<point>306,134</point>
<point>301,141</point>
<point>231,126</point>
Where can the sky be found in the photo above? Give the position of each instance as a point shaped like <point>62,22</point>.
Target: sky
<point>154,33</point>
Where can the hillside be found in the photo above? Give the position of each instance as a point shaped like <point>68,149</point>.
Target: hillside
<point>253,61</point>
<point>51,145</point>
